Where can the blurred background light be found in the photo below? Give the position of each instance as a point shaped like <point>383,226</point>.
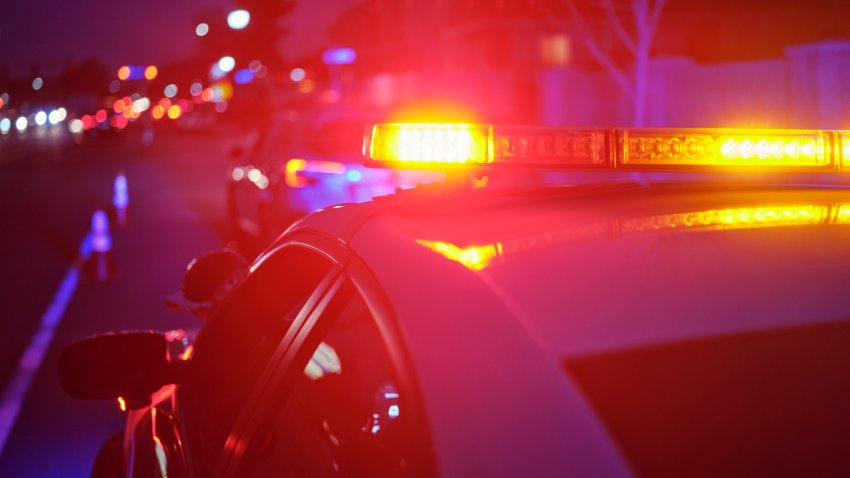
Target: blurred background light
<point>124,72</point>
<point>297,74</point>
<point>170,91</point>
<point>174,112</point>
<point>202,29</point>
<point>151,72</point>
<point>21,123</point>
<point>75,126</point>
<point>37,83</point>
<point>238,19</point>
<point>5,125</point>
<point>243,76</point>
<point>53,117</point>
<point>195,89</point>
<point>226,64</point>
<point>114,86</point>
<point>339,56</point>
<point>142,104</point>
<point>41,118</point>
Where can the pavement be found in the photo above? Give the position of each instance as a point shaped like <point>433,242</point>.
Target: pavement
<point>48,193</point>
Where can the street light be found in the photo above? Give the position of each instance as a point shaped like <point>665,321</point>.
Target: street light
<point>238,19</point>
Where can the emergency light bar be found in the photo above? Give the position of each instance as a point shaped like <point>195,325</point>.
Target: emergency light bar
<point>446,146</point>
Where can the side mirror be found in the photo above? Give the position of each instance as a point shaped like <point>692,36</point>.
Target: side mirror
<point>207,280</point>
<point>132,365</point>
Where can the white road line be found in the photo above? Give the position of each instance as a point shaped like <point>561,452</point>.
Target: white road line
<point>30,361</point>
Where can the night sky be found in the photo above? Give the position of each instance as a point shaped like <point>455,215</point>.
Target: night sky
<point>48,33</point>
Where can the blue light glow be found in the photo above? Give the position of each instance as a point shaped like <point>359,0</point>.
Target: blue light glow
<point>354,175</point>
<point>243,76</point>
<point>339,56</point>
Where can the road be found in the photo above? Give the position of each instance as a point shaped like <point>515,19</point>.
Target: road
<point>49,190</point>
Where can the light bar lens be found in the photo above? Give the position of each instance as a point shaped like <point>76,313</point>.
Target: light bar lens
<point>430,143</point>
<point>550,146</point>
<point>457,144</point>
<point>755,150</point>
<point>844,141</point>
<point>760,148</point>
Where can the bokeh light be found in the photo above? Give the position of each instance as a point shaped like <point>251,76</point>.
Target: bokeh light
<point>21,123</point>
<point>41,118</point>
<point>243,76</point>
<point>124,72</point>
<point>142,104</point>
<point>297,74</point>
<point>75,126</point>
<point>151,72</point>
<point>196,89</point>
<point>37,83</point>
<point>170,91</point>
<point>157,112</point>
<point>114,86</point>
<point>202,29</point>
<point>238,19</point>
<point>226,64</point>
<point>100,116</point>
<point>174,112</point>
<point>5,125</point>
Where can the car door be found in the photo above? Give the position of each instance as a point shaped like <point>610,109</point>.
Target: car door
<point>341,402</point>
<point>246,333</point>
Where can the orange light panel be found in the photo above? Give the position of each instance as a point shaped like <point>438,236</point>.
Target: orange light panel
<point>550,146</point>
<point>723,147</point>
<point>423,143</point>
<point>844,141</point>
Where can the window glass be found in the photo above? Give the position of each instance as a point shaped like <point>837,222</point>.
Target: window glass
<point>342,414</point>
<point>237,342</point>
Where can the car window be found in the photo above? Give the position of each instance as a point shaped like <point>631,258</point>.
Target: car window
<point>343,414</point>
<point>234,347</point>
<point>343,137</point>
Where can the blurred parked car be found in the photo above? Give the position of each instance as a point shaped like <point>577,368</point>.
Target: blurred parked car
<point>301,163</point>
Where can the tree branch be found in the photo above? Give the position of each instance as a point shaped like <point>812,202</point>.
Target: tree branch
<point>617,25</point>
<point>655,15</point>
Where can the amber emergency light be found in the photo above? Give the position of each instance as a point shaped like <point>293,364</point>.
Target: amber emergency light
<point>460,145</point>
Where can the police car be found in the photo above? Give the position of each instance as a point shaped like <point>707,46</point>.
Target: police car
<point>679,308</point>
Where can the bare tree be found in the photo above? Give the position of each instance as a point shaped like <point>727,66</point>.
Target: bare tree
<point>632,23</point>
